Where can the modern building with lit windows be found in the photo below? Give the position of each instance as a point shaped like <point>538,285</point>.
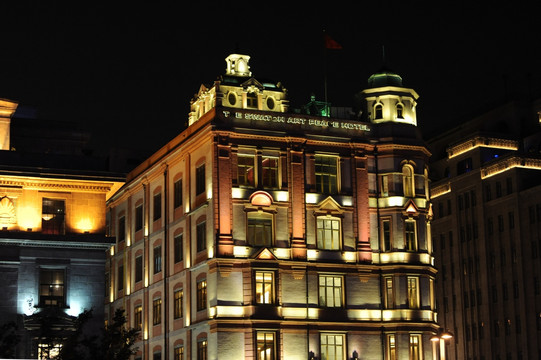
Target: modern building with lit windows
<point>265,233</point>
<point>52,241</point>
<point>486,194</point>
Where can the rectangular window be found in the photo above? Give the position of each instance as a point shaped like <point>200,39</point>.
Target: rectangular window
<point>121,228</point>
<point>333,346</point>
<point>260,229</point>
<point>328,233</point>
<point>51,288</point>
<point>385,185</point>
<point>511,217</point>
<point>202,350</point>
<point>139,218</point>
<point>246,170</point>
<point>53,214</point>
<point>156,311</point>
<point>200,179</point>
<point>389,293</point>
<point>410,235</point>
<point>157,207</point>
<point>201,295</point>
<point>326,171</point>
<point>488,193</point>
<point>498,189</point>
<point>138,268</point>
<point>178,244</point>
<point>266,345</point>
<point>201,236</point>
<point>330,291</point>
<point>264,287</point>
<point>509,183</point>
<point>157,356</point>
<point>413,292</point>
<point>138,317</point>
<point>415,347</point>
<point>390,347</point>
<point>386,234</point>
<point>177,194</point>
<point>157,259</point>
<point>500,223</point>
<point>179,353</point>
<point>120,277</point>
<point>269,172</point>
<point>177,304</point>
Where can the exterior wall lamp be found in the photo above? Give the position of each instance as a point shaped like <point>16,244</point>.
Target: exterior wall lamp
<point>440,337</point>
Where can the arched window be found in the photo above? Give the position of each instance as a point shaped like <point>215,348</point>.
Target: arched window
<point>378,110</point>
<point>407,181</point>
<point>399,111</point>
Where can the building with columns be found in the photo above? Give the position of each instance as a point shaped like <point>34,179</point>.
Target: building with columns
<point>263,233</point>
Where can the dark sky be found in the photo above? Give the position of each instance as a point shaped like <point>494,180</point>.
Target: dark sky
<point>128,73</point>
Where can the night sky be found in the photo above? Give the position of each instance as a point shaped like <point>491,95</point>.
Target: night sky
<point>127,74</point>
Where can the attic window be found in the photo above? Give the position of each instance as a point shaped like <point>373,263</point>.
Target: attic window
<point>379,111</point>
<point>399,111</point>
<point>251,100</point>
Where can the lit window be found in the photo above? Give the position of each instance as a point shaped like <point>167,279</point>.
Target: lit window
<point>413,292</point>
<point>264,281</point>
<point>399,111</point>
<point>415,347</point>
<point>410,235</point>
<point>326,171</point>
<point>156,311</point>
<point>384,185</point>
<point>49,351</point>
<point>157,259</point>
<point>177,248</point>
<point>177,305</point>
<point>330,291</point>
<point>333,346</point>
<point>51,288</point>
<point>328,233</point>
<point>259,229</point>
<point>138,317</point>
<point>386,234</point>
<point>407,181</point>
<point>177,194</point>
<point>245,170</point>
<point>389,293</point>
<point>138,268</point>
<point>157,207</point>
<point>269,172</point>
<point>179,353</point>
<point>200,180</point>
<point>266,346</point>
<point>201,236</point>
<point>391,347</point>
<point>53,216</point>
<point>201,295</point>
<point>378,110</point>
<point>202,350</point>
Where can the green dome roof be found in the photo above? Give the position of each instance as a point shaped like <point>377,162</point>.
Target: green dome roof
<point>384,77</point>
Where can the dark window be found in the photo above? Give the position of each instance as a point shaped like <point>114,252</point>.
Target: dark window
<point>157,356</point>
<point>379,111</point>
<point>509,183</point>
<point>464,166</point>
<point>51,288</point>
<point>386,235</point>
<point>177,248</point>
<point>259,229</point>
<point>269,172</point>
<point>139,218</point>
<point>202,350</point>
<point>157,259</point>
<point>326,171</point>
<point>488,193</point>
<point>177,193</point>
<point>138,268</point>
<point>156,311</point>
<point>498,189</point>
<point>157,206</point>
<point>53,215</point>
<point>200,180</point>
<point>511,217</point>
<point>201,236</point>
<point>122,228</point>
<point>120,277</point>
<point>399,111</point>
<point>245,170</point>
<point>177,305</point>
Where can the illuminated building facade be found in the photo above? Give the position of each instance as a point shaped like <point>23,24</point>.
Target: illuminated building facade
<point>52,243</point>
<point>260,233</point>
<point>487,233</point>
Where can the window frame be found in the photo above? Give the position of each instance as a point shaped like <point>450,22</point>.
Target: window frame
<point>178,248</point>
<point>339,350</point>
<point>202,349</point>
<point>138,268</point>
<point>138,218</point>
<point>413,292</point>
<point>386,235</point>
<point>254,226</point>
<point>243,179</point>
<point>48,299</point>
<point>331,299</point>
<point>138,317</point>
<point>156,311</point>
<point>157,259</point>
<point>410,235</point>
<point>264,340</point>
<point>264,296</point>
<point>321,238</point>
<point>200,179</point>
<point>201,295</point>
<point>178,308</point>
<point>327,182</point>
<point>270,174</point>
<point>415,347</point>
<point>53,216</point>
<point>177,194</point>
<point>157,206</point>
<point>201,236</point>
<point>408,180</point>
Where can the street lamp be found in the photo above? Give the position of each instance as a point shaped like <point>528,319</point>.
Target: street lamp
<point>441,337</point>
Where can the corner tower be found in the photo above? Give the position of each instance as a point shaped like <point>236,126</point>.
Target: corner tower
<point>386,100</point>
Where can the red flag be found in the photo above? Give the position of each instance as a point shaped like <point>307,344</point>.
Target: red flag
<point>330,43</point>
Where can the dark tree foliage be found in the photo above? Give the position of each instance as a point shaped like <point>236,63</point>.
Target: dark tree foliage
<point>8,340</point>
<point>115,342</point>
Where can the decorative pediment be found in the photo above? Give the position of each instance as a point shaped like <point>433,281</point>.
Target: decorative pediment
<point>329,206</point>
<point>252,83</point>
<point>410,208</point>
<point>264,254</point>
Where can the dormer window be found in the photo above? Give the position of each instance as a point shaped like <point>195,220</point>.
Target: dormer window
<point>399,111</point>
<point>378,110</point>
